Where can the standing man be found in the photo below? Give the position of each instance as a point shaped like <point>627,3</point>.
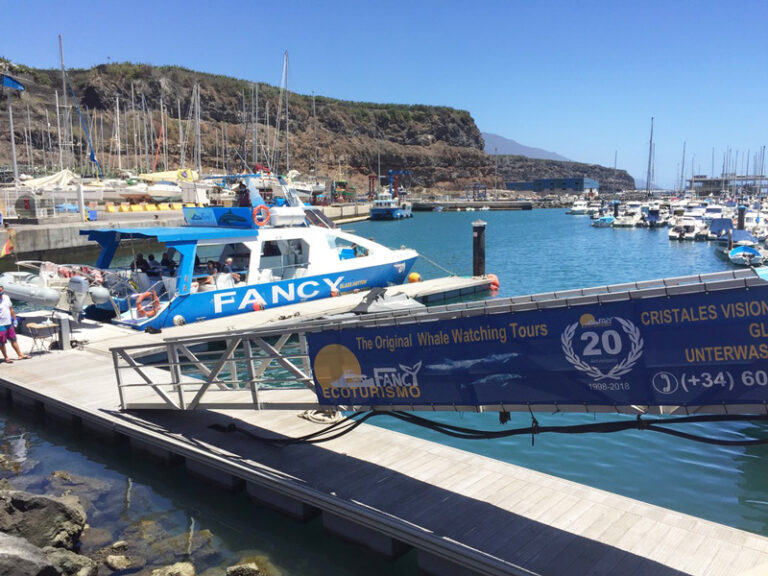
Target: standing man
<point>7,323</point>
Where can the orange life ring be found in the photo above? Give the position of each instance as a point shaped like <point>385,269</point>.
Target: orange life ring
<point>149,308</point>
<point>261,215</point>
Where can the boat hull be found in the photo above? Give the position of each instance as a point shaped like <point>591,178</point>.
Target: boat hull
<point>389,214</point>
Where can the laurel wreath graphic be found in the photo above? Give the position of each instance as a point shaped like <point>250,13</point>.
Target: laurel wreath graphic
<point>619,369</point>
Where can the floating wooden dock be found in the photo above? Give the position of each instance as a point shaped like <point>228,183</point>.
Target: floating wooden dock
<point>463,513</point>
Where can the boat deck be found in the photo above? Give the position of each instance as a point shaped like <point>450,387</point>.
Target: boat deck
<point>463,513</point>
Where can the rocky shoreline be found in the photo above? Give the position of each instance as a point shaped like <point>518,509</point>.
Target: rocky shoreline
<point>42,535</point>
<point>49,534</point>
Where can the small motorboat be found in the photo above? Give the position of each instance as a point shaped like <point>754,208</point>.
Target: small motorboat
<point>603,222</point>
<point>69,287</point>
<point>746,256</point>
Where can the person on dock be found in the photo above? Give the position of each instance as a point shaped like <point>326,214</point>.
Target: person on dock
<point>7,323</point>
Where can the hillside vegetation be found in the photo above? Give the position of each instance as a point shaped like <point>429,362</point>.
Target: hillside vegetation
<point>441,146</point>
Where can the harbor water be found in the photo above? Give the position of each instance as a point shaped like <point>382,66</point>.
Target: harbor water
<point>530,251</point>
<point>548,250</point>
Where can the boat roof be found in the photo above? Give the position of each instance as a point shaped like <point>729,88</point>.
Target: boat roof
<point>170,234</point>
<point>742,235</point>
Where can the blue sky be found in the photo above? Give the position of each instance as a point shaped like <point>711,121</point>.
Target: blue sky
<point>582,79</point>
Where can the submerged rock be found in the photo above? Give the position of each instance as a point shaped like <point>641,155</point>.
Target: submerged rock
<point>71,564</point>
<point>42,520</point>
<point>250,569</point>
<point>178,569</point>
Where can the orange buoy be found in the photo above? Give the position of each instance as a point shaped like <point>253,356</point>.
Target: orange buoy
<point>261,215</point>
<point>494,281</point>
<point>147,304</point>
<point>258,306</point>
<point>414,277</point>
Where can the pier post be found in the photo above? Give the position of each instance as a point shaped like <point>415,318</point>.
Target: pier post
<point>740,222</point>
<point>478,248</point>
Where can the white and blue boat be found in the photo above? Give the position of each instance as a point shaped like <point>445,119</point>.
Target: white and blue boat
<point>386,207</point>
<point>603,222</point>
<point>278,257</point>
<point>739,247</point>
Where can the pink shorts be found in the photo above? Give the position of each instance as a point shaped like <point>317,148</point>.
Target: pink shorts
<point>7,334</point>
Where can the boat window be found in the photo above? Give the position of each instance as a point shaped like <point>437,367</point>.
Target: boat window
<point>270,248</point>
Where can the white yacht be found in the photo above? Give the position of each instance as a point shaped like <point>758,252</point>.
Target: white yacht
<point>579,207</point>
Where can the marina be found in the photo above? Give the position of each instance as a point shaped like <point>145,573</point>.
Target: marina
<point>349,313</point>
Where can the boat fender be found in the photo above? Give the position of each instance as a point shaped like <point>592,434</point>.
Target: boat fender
<point>179,320</point>
<point>258,306</point>
<point>414,277</point>
<point>494,281</point>
<point>261,215</point>
<point>147,304</point>
<point>99,294</point>
<point>334,293</point>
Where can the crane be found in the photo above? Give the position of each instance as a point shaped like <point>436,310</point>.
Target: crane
<point>392,176</point>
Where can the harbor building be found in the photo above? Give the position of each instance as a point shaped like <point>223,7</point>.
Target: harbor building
<point>556,186</point>
<point>729,183</point>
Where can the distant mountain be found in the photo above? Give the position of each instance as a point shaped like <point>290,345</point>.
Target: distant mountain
<point>495,144</point>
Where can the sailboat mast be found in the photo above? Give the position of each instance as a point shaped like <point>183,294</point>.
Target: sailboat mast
<point>682,170</point>
<point>314,125</point>
<point>58,132</point>
<point>650,163</point>
<point>182,159</point>
<point>117,131</point>
<point>255,122</point>
<point>64,92</point>
<point>287,154</point>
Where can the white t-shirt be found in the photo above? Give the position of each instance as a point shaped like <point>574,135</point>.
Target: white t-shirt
<point>5,310</point>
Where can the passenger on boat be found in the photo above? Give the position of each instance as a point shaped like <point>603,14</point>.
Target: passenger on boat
<point>226,268</point>
<point>7,332</point>
<point>167,262</point>
<point>243,196</point>
<point>213,269</point>
<point>140,263</point>
<point>153,266</point>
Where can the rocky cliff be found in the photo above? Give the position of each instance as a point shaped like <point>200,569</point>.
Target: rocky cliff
<point>441,147</point>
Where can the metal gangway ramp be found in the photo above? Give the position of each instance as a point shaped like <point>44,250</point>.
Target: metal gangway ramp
<point>272,367</point>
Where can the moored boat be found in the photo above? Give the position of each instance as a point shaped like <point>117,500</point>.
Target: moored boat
<point>228,261</point>
<point>386,207</point>
<point>603,222</point>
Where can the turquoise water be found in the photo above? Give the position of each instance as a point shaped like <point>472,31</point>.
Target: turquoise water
<point>534,251</point>
<point>546,250</point>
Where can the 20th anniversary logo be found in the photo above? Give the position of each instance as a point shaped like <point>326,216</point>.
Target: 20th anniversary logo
<point>604,346</point>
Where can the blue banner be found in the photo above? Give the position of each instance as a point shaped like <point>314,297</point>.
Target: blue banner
<point>686,350</point>
<point>9,82</point>
<point>230,217</point>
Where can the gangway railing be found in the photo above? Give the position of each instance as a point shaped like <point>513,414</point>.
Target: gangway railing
<point>270,367</point>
